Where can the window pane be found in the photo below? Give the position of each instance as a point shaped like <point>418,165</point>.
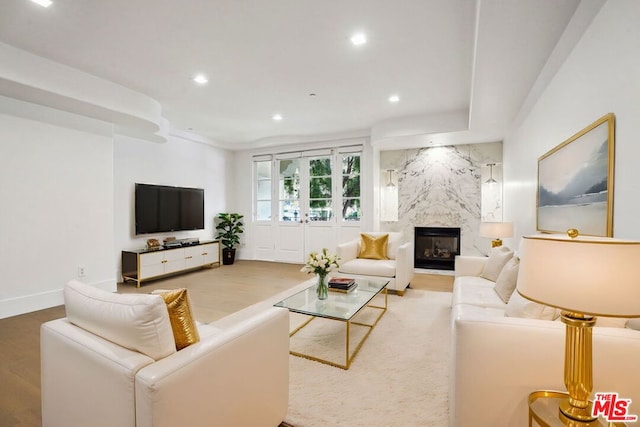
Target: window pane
<point>289,189</point>
<point>320,210</point>
<point>351,210</point>
<point>351,164</point>
<point>289,168</point>
<point>320,188</point>
<point>289,210</point>
<point>264,190</point>
<point>320,167</point>
<point>263,170</point>
<point>263,211</point>
<point>351,186</point>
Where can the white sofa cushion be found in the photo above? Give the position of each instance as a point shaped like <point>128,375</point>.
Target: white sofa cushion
<point>519,306</point>
<point>139,322</point>
<point>498,257</point>
<point>633,324</point>
<point>476,291</point>
<point>611,322</point>
<point>506,283</point>
<point>470,311</point>
<point>370,267</point>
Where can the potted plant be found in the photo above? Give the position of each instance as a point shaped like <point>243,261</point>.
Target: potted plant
<point>229,229</point>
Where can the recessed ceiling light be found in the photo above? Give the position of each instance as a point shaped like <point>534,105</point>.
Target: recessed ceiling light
<point>43,3</point>
<point>358,39</point>
<point>394,98</point>
<point>201,79</point>
<point>277,117</point>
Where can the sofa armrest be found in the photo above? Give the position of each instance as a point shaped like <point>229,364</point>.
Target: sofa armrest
<point>237,377</point>
<point>85,379</point>
<point>404,266</point>
<point>518,356</point>
<point>347,251</point>
<point>467,265</point>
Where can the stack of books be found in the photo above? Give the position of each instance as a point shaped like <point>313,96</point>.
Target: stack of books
<point>342,284</point>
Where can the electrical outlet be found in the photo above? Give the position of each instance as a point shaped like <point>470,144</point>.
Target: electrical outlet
<point>81,271</point>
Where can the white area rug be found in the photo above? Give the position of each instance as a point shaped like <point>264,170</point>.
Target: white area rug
<point>400,377</point>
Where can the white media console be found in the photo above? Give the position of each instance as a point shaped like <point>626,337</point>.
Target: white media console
<point>144,264</point>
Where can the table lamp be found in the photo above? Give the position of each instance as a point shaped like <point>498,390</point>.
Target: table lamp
<point>496,230</point>
<point>584,277</point>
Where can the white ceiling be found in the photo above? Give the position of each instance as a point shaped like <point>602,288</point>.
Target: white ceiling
<point>462,68</point>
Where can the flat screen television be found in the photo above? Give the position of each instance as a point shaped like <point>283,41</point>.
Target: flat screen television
<point>161,208</point>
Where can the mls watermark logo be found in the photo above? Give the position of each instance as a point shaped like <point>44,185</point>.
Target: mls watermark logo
<point>612,408</point>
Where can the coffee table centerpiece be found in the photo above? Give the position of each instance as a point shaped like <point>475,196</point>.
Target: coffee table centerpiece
<point>321,264</point>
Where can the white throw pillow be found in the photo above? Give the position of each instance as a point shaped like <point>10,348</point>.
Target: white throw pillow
<point>139,322</point>
<point>506,283</point>
<point>519,306</point>
<point>611,322</point>
<point>497,259</point>
<point>634,324</point>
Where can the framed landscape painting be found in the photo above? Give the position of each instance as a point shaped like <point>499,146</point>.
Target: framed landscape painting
<point>575,182</point>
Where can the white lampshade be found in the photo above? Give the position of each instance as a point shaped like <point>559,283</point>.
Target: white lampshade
<point>496,229</point>
<point>598,276</point>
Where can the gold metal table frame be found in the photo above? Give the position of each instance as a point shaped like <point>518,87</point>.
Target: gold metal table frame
<point>348,322</point>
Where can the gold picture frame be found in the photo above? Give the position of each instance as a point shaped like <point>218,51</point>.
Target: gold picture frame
<point>575,182</point>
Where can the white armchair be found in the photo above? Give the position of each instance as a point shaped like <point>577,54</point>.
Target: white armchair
<point>236,375</point>
<point>398,269</point>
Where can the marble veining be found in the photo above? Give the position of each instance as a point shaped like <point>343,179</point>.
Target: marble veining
<point>443,186</point>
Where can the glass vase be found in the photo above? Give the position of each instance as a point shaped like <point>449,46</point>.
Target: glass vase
<point>322,290</point>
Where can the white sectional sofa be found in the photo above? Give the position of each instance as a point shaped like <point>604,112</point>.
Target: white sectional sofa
<point>121,368</point>
<point>398,269</point>
<point>502,351</point>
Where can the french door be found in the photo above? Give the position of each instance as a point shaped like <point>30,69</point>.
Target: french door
<point>303,201</point>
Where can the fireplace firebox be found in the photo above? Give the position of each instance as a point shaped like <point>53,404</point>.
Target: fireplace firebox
<point>436,247</point>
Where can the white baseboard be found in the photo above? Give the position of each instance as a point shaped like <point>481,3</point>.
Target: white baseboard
<point>34,302</point>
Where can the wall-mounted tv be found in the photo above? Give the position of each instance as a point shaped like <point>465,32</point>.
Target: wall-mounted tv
<point>161,208</point>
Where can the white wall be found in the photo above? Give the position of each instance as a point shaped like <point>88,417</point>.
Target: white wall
<point>601,75</point>
<point>178,162</point>
<point>66,194</point>
<point>56,205</point>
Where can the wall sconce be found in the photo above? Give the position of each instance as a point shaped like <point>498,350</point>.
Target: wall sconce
<point>491,180</point>
<point>389,196</point>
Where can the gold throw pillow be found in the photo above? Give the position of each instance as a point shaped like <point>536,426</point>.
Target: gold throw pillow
<point>373,247</point>
<point>184,327</point>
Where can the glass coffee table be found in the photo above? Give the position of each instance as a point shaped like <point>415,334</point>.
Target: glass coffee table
<point>339,306</point>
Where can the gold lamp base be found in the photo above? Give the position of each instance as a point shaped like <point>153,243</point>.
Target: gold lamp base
<point>578,366</point>
<point>496,243</point>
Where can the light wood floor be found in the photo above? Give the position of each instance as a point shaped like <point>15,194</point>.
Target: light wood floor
<point>213,293</point>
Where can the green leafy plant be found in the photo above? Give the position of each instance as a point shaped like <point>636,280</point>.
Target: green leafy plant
<point>229,229</point>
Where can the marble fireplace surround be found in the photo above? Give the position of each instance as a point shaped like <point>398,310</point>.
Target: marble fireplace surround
<point>446,187</point>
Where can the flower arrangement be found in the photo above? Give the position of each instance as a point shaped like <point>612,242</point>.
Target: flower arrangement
<point>321,263</point>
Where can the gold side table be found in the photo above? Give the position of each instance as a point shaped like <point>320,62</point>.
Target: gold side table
<point>544,407</point>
